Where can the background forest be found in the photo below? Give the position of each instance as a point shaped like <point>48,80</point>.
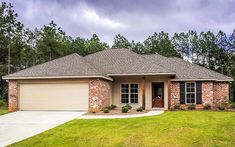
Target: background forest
<point>25,47</point>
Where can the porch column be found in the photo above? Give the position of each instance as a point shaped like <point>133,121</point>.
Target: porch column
<point>143,91</point>
<point>169,93</point>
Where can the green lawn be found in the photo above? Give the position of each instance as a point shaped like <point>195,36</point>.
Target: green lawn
<point>177,128</point>
<point>3,111</point>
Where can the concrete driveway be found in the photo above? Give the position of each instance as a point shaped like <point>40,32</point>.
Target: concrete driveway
<point>20,125</point>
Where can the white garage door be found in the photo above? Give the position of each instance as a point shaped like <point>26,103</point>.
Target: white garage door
<point>54,96</point>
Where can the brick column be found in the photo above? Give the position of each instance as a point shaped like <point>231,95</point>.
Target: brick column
<point>99,94</point>
<point>175,94</point>
<point>13,96</point>
<point>221,93</point>
<point>207,93</point>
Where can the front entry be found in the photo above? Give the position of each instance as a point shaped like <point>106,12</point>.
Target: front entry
<point>157,95</point>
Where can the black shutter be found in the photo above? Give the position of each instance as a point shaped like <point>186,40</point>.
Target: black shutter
<point>199,92</point>
<point>182,92</point>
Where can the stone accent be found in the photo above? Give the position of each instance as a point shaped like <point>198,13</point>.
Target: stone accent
<point>221,93</point>
<point>99,94</point>
<point>213,93</point>
<point>13,95</point>
<point>207,93</point>
<point>175,94</point>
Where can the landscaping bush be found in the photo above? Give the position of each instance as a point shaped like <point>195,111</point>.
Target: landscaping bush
<point>113,107</point>
<point>207,107</point>
<point>177,107</point>
<point>232,106</point>
<point>128,106</point>
<point>140,109</point>
<point>2,103</point>
<point>192,107</point>
<point>107,107</point>
<point>143,107</point>
<point>221,107</point>
<point>106,110</point>
<point>125,109</point>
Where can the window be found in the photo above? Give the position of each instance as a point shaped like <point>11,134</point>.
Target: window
<point>190,92</point>
<point>129,93</point>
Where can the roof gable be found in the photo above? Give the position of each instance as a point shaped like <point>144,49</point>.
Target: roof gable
<point>70,65</point>
<point>124,61</point>
<point>187,70</point>
<point>112,62</point>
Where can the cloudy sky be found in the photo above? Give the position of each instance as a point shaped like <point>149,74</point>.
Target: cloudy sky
<point>135,19</point>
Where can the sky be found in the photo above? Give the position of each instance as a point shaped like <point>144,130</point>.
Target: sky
<point>134,19</point>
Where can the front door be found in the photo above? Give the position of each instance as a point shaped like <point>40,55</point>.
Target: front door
<point>157,95</point>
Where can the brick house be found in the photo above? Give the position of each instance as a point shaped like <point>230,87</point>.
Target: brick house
<point>115,76</point>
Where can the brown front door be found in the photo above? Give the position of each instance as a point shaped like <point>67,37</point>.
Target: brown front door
<point>157,95</point>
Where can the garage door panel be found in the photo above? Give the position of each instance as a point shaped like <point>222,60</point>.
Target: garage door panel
<point>59,96</point>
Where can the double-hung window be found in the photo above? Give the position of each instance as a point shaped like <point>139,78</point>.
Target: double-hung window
<point>129,93</point>
<point>190,92</point>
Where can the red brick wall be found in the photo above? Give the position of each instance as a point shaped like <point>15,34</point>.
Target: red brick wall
<point>13,95</point>
<point>221,92</point>
<point>99,94</point>
<point>207,93</point>
<point>213,93</point>
<point>175,94</point>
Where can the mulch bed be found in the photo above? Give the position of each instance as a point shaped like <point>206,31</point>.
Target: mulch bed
<point>117,112</point>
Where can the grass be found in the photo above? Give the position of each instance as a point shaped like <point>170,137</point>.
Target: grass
<point>3,110</point>
<point>176,128</point>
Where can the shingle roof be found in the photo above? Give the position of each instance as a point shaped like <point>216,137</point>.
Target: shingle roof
<point>113,62</point>
<point>187,70</point>
<point>124,61</point>
<point>71,65</point>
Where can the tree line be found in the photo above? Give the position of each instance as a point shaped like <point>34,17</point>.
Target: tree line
<point>26,47</point>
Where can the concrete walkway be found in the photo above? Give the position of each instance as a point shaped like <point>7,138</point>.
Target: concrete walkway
<point>150,113</point>
<point>20,125</point>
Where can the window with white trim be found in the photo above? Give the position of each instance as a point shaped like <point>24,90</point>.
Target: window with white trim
<point>190,92</point>
<point>129,93</point>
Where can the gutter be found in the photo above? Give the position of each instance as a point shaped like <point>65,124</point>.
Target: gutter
<point>202,80</point>
<point>55,77</point>
<point>142,74</point>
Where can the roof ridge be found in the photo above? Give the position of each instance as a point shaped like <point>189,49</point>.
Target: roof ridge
<point>108,49</point>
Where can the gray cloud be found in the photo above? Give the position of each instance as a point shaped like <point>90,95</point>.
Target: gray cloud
<point>135,19</point>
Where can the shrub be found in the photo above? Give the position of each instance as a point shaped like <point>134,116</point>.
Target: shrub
<point>232,105</point>
<point>192,107</point>
<point>143,107</point>
<point>221,107</point>
<point>128,106</point>
<point>177,107</point>
<point>207,107</point>
<point>106,110</point>
<point>107,107</point>
<point>113,107</point>
<point>140,109</point>
<point>2,103</point>
<point>125,109</point>
<point>93,110</point>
